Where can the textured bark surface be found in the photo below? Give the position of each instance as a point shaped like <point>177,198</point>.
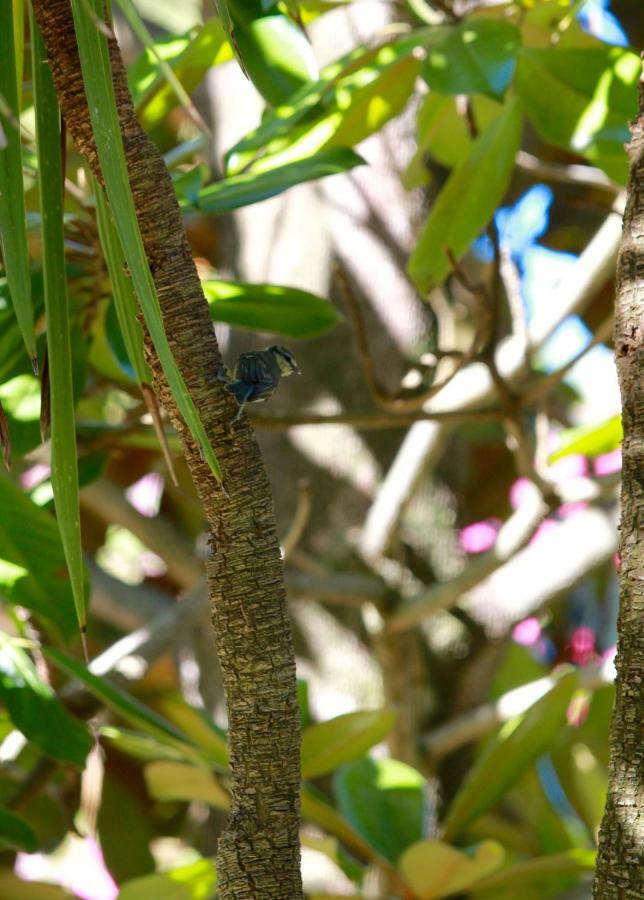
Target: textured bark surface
<point>258,854</point>
<point>620,863</point>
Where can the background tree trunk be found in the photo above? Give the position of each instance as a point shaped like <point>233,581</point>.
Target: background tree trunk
<point>620,864</point>
<point>259,850</point>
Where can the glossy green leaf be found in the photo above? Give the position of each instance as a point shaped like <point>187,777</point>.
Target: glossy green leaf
<point>476,57</point>
<point>97,77</point>
<point>190,55</point>
<point>269,307</point>
<point>36,711</point>
<point>15,832</point>
<point>146,747</point>
<point>118,700</point>
<point>196,881</point>
<point>434,869</point>
<point>167,780</point>
<point>353,98</point>
<point>343,739</point>
<point>273,49</point>
<point>589,440</point>
<point>445,134</point>
<point>32,561</point>
<point>537,871</point>
<point>468,200</point>
<point>13,231</point>
<point>64,466</point>
<point>243,190</point>
<point>384,800</point>
<point>20,398</point>
<point>582,99</point>
<point>517,745</point>
<point>125,305</point>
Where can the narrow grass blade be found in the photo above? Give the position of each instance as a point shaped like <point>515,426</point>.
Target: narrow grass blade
<point>97,76</point>
<point>64,466</point>
<point>13,231</point>
<point>122,291</point>
<point>137,25</point>
<point>19,42</point>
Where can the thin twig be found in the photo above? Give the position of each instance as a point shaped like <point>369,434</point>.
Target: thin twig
<point>300,519</point>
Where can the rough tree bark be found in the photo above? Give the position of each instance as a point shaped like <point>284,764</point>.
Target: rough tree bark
<point>258,854</point>
<point>620,862</point>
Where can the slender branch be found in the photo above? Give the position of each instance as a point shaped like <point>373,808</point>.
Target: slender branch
<point>300,519</point>
<point>258,853</point>
<point>580,176</point>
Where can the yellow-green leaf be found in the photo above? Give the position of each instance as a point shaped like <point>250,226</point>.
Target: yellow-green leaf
<point>434,869</point>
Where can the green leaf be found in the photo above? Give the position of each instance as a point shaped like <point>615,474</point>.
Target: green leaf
<point>353,98</point>
<point>125,304</point>
<point>269,307</point>
<point>596,98</point>
<point>273,50</point>
<point>15,832</point>
<point>131,709</point>
<point>144,746</point>
<point>243,190</point>
<point>433,869</point>
<point>589,440</point>
<point>517,745</point>
<point>97,78</point>
<point>538,871</point>
<point>384,800</point>
<point>343,739</point>
<point>190,55</point>
<point>20,398</point>
<point>64,466</point>
<point>13,230</point>
<point>477,57</point>
<point>32,561</point>
<point>36,711</point>
<point>196,881</point>
<point>167,780</point>
<point>468,200</point>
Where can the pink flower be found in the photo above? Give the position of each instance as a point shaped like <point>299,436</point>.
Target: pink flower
<point>520,491</point>
<point>608,463</point>
<point>145,494</point>
<point>582,645</point>
<point>34,476</point>
<point>480,536</point>
<point>527,632</point>
<point>77,865</point>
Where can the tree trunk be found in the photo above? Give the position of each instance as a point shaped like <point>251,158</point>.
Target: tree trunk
<point>620,863</point>
<point>258,855</point>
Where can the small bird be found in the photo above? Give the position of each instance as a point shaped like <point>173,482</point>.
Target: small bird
<point>257,375</point>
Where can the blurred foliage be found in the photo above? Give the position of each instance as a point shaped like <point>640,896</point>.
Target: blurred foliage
<point>477,764</point>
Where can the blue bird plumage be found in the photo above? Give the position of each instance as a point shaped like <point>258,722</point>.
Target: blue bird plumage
<point>257,374</point>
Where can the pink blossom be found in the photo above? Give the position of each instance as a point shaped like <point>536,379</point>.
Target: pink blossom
<point>528,632</point>
<point>33,476</point>
<point>78,865</point>
<point>145,494</point>
<point>582,645</point>
<point>608,463</point>
<point>566,510</point>
<point>480,536</point>
<point>520,491</point>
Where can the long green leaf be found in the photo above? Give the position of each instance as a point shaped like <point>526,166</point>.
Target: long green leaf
<point>269,307</point>
<point>36,711</point>
<point>196,881</point>
<point>32,561</point>
<point>13,231</point>
<point>121,702</point>
<point>243,190</point>
<point>516,747</point>
<point>137,25</point>
<point>468,200</point>
<point>341,740</point>
<point>97,77</point>
<point>64,465</point>
<point>124,297</point>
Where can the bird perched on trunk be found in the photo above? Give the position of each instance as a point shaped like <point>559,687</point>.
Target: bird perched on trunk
<point>257,375</point>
